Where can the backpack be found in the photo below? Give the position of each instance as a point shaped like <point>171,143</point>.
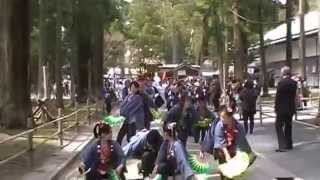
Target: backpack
<point>208,142</point>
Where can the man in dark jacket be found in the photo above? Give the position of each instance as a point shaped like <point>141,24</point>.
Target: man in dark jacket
<point>285,108</point>
<point>248,97</point>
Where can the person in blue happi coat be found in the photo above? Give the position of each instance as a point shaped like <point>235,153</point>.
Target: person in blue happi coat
<point>185,115</point>
<point>102,156</point>
<point>206,117</point>
<point>145,146</point>
<point>132,108</point>
<point>225,136</point>
<point>172,157</point>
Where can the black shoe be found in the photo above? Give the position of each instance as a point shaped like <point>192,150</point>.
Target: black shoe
<point>281,150</point>
<point>289,148</point>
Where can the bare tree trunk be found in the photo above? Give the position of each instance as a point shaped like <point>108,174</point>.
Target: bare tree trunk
<point>174,45</point>
<point>264,74</point>
<point>74,52</point>
<point>220,46</point>
<point>289,37</point>
<point>15,105</point>
<point>244,54</point>
<point>205,41</point>
<point>238,64</point>
<point>302,43</point>
<point>97,71</point>
<point>58,74</point>
<point>83,49</point>
<point>42,47</point>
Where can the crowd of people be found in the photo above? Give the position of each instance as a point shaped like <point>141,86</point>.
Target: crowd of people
<point>195,109</point>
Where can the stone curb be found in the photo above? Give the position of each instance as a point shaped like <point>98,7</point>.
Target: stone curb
<point>65,164</point>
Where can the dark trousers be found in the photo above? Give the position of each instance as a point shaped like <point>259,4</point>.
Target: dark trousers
<point>126,129</point>
<point>183,137</point>
<point>284,130</point>
<point>199,133</point>
<point>108,105</point>
<point>216,104</point>
<point>248,116</point>
<point>147,164</point>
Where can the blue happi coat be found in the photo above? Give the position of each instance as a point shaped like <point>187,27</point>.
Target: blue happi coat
<point>132,108</point>
<point>187,120</point>
<point>183,166</point>
<point>135,146</point>
<point>220,140</point>
<point>90,156</point>
<point>215,138</point>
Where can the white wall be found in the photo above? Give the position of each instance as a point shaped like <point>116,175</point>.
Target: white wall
<point>277,52</point>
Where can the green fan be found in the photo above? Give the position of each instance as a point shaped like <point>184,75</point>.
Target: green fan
<point>199,167</point>
<point>113,120</point>
<point>204,123</point>
<point>113,175</point>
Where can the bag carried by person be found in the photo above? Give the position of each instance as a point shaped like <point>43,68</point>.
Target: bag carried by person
<point>158,100</point>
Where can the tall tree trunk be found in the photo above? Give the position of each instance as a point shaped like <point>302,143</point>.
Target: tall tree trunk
<point>84,49</point>
<point>97,64</point>
<point>58,66</point>
<point>205,40</point>
<point>238,64</point>
<point>289,37</point>
<point>264,75</point>
<point>15,105</point>
<point>302,43</point>
<point>174,45</point>
<point>221,48</point>
<point>74,52</point>
<point>47,24</point>
<point>221,54</point>
<point>244,53</point>
<point>42,48</point>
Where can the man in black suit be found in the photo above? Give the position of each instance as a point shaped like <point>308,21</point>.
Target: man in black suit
<point>285,108</point>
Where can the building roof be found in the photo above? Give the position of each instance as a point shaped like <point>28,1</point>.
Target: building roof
<point>174,66</point>
<point>312,25</point>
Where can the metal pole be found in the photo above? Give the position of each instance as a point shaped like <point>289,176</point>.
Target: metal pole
<point>60,127</point>
<point>302,44</point>
<point>76,115</point>
<point>30,135</point>
<point>44,82</point>
<point>89,116</point>
<point>318,49</point>
<point>260,106</point>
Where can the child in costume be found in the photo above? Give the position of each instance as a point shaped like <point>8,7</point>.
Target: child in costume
<point>103,156</point>
<point>172,158</point>
<point>144,145</point>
